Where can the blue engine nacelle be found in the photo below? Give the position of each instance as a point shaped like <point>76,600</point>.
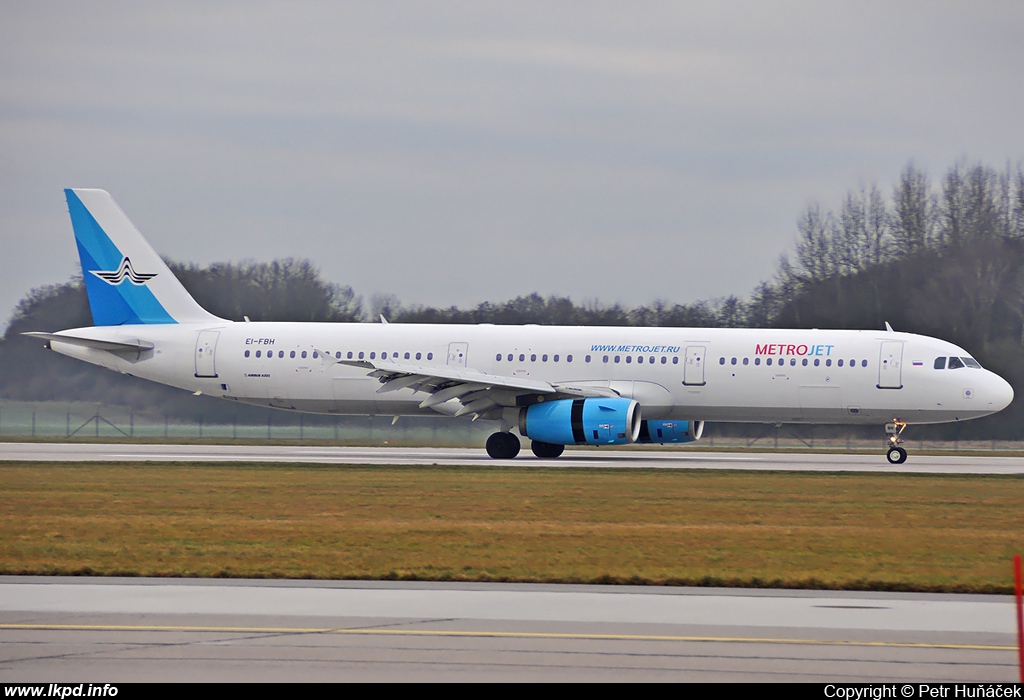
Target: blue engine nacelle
<point>662,431</point>
<point>582,421</point>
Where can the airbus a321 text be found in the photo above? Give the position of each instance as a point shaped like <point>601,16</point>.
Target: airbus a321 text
<point>555,385</point>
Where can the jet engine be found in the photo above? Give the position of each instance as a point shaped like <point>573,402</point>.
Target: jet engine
<point>594,421</point>
<point>662,431</point>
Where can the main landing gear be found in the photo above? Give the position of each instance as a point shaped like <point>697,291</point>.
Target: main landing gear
<point>895,454</point>
<point>547,450</point>
<point>502,446</point>
<point>506,446</point>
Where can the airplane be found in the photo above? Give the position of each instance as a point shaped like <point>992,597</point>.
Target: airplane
<point>555,385</point>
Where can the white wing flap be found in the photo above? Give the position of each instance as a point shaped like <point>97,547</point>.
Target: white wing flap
<point>477,393</point>
<point>449,374</point>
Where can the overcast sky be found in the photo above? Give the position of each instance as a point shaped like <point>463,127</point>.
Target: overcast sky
<point>455,152</point>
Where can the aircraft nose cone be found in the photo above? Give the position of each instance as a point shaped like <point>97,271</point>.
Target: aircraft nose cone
<point>1001,393</point>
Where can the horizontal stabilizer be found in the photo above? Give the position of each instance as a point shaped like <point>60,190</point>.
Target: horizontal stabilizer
<point>110,345</point>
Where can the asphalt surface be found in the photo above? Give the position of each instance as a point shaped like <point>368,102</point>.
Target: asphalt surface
<point>121,630</point>
<point>652,458</point>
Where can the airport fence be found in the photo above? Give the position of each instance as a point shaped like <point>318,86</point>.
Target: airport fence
<point>91,422</point>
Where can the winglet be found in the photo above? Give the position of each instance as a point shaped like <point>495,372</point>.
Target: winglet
<point>889,328</point>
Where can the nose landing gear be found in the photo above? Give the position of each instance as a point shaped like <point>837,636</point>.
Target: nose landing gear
<point>895,453</point>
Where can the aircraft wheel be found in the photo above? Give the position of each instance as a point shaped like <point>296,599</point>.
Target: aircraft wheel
<point>547,450</point>
<point>896,455</point>
<point>502,446</point>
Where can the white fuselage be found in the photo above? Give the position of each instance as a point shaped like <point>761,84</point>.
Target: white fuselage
<point>741,375</point>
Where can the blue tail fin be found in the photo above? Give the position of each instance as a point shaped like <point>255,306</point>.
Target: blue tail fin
<point>127,282</point>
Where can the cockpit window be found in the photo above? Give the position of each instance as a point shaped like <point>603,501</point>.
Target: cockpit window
<point>940,363</point>
<point>971,362</point>
<point>955,363</point>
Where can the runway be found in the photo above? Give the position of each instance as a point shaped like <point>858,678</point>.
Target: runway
<point>652,458</point>
<point>121,630</point>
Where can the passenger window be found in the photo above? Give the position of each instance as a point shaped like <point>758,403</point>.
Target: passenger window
<point>543,358</point>
<point>419,356</point>
<point>664,359</point>
<point>568,358</point>
<point>373,355</point>
<point>757,361</point>
<point>733,360</point>
<point>721,360</point>
<point>792,362</point>
<point>804,362</point>
<point>407,356</point>
<point>247,353</point>
<point>817,362</point>
<point>839,363</point>
<point>863,363</point>
<point>349,355</point>
<point>555,358</point>
<point>629,359</point>
<point>510,357</point>
<point>430,356</point>
<point>617,358</point>
<point>650,360</point>
<point>746,361</point>
<point>768,362</point>
<point>954,362</point>
<point>361,354</point>
<point>606,359</point>
<point>640,359</point>
<point>533,358</point>
<point>303,354</point>
<point>257,353</point>
<point>315,355</point>
<point>337,355</point>
<point>522,358</point>
<point>497,357</point>
<point>828,363</point>
<point>383,356</point>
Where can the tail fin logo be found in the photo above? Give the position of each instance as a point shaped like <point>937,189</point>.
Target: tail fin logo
<point>124,271</point>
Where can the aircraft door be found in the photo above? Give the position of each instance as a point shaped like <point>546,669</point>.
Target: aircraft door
<point>458,353</point>
<point>693,369</point>
<point>206,351</point>
<point>890,365</point>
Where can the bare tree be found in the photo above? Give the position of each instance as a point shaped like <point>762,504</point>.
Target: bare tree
<point>850,234</point>
<point>982,212</point>
<point>817,254</point>
<point>912,211</point>
<point>876,223</point>
<point>1018,203</point>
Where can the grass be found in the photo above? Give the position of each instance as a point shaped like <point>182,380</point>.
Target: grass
<point>667,527</point>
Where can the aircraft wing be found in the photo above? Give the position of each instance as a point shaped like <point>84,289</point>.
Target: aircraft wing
<point>477,393</point>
